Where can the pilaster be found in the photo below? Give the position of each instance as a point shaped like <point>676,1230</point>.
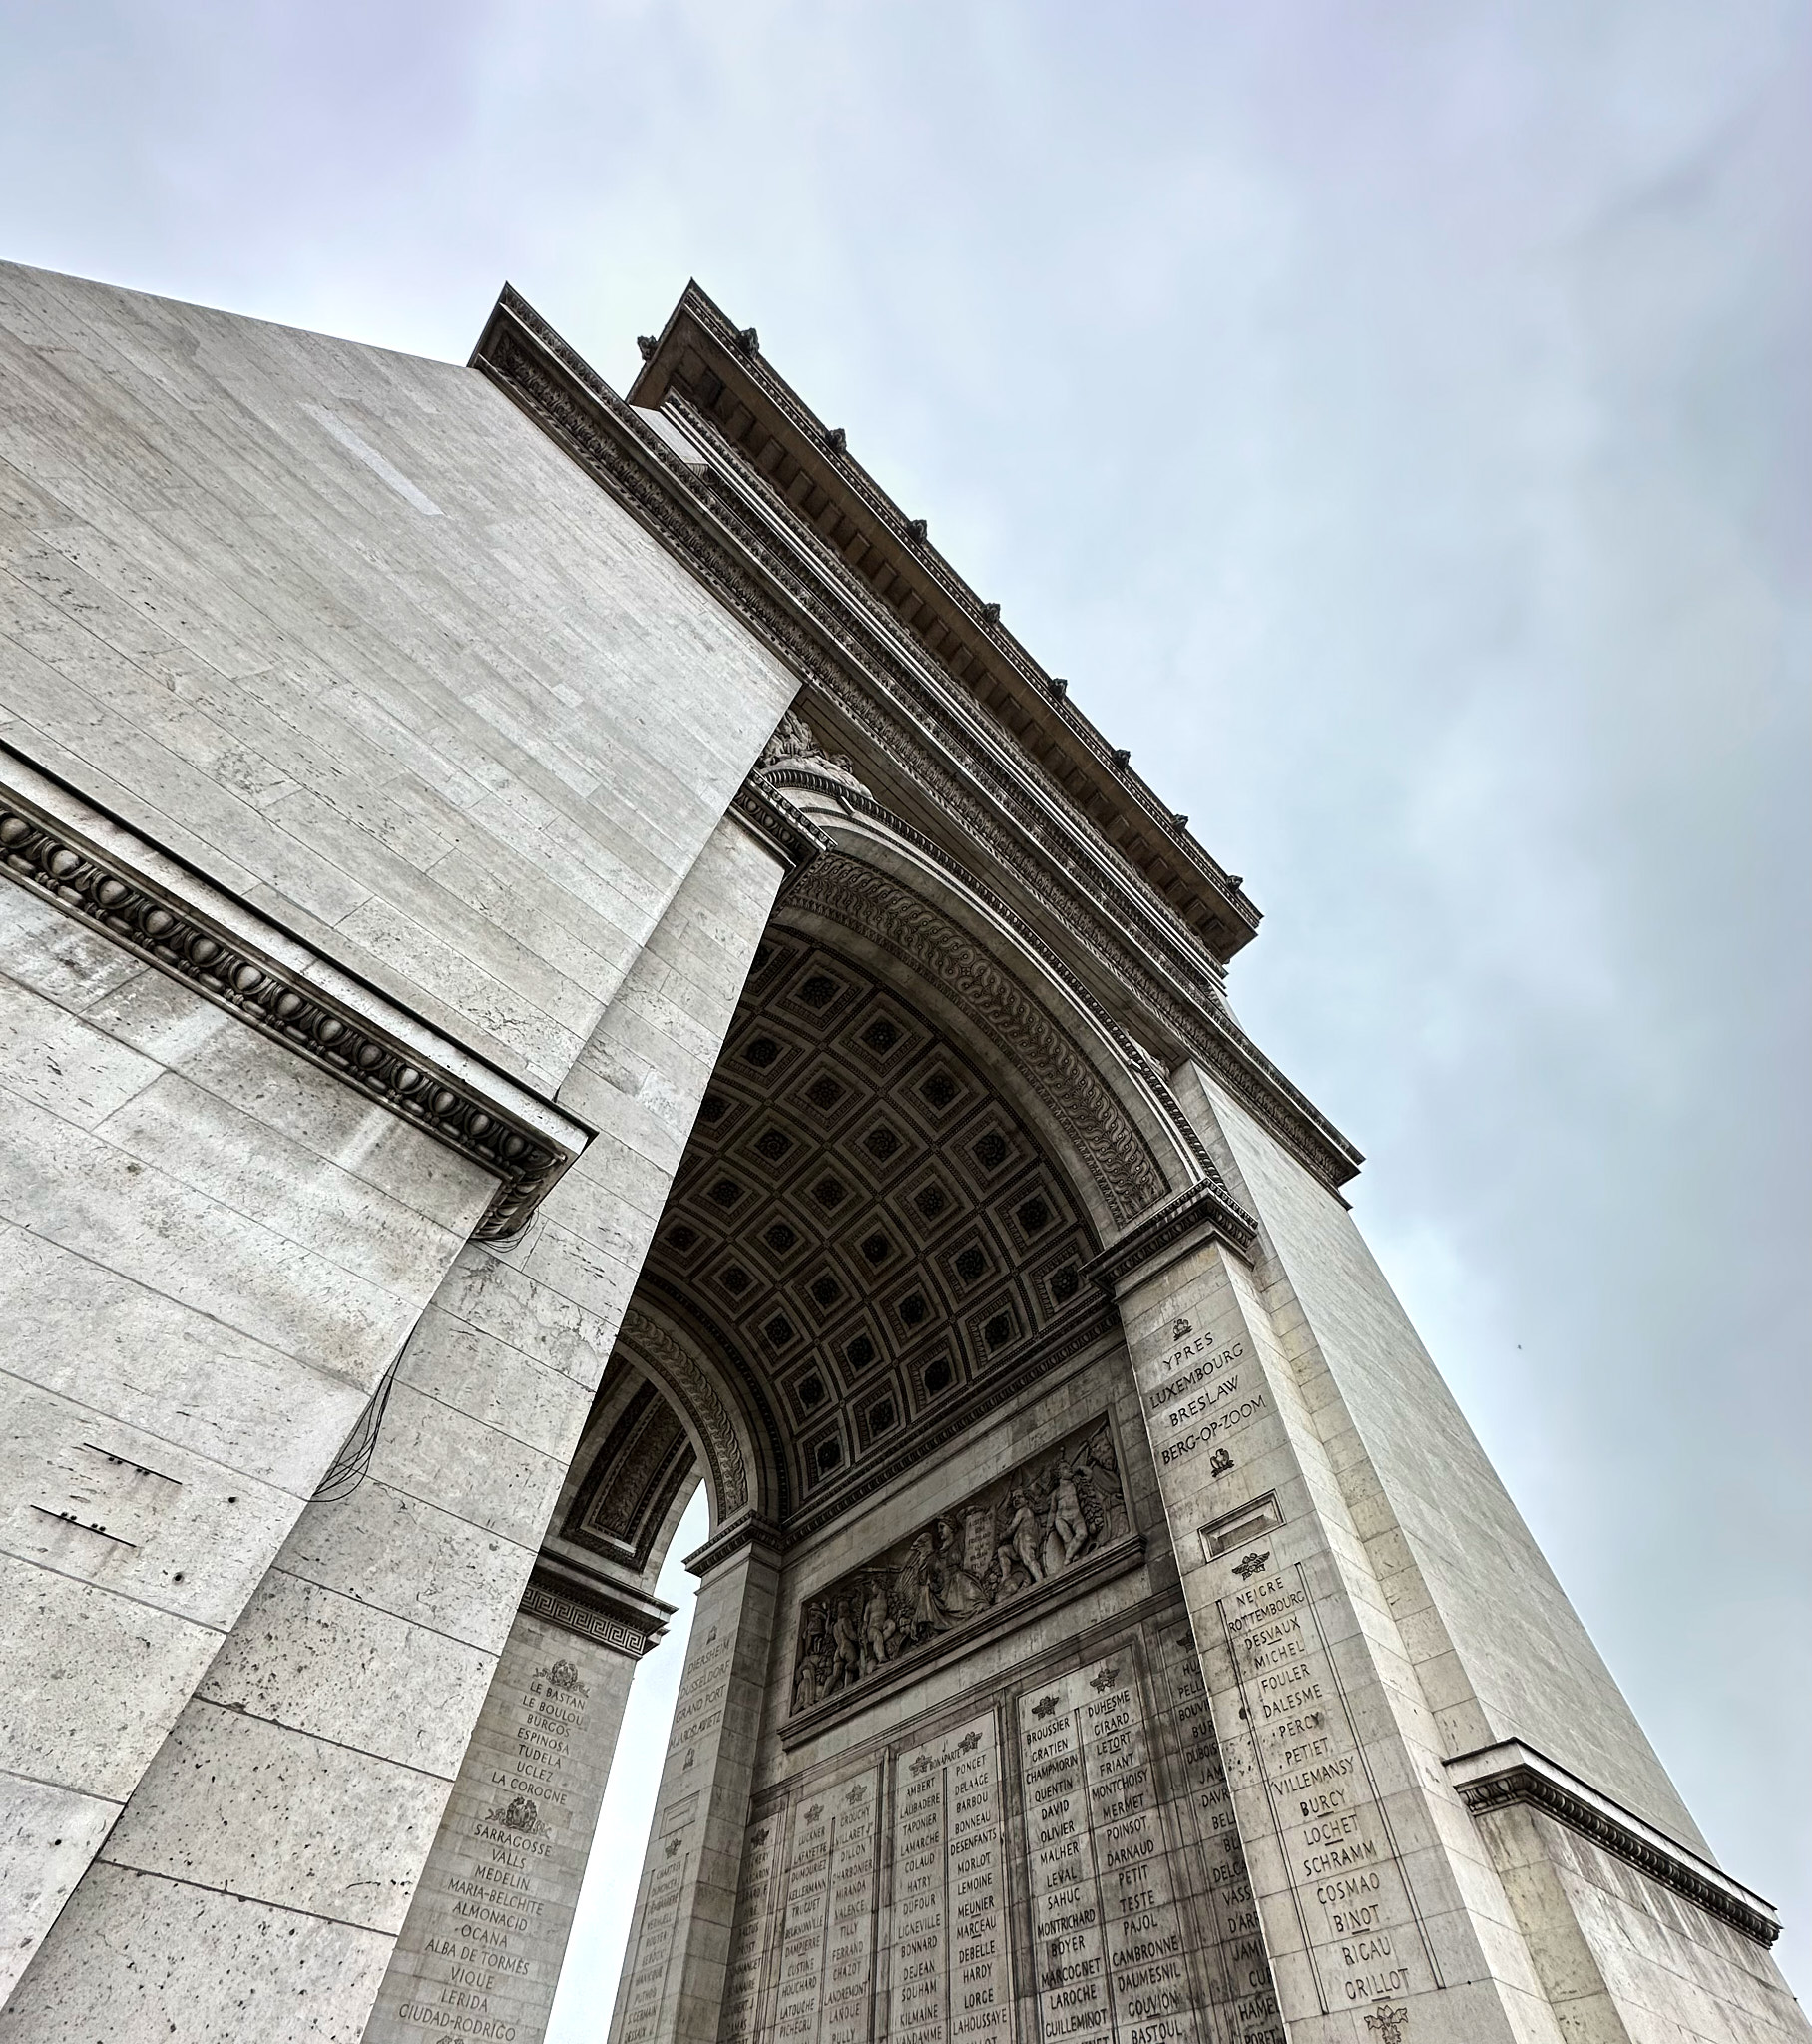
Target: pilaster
<point>676,1964</point>
<point>487,1928</point>
<point>1379,1907</point>
<point>307,1776</point>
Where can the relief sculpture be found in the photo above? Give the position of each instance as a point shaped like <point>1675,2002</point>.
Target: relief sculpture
<point>1021,1530</point>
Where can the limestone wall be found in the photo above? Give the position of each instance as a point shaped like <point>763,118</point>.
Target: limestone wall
<point>310,1770</point>
<point>210,1251</point>
<point>342,628</point>
<point>340,648</point>
<point>1018,1827</point>
<point>1621,1956</point>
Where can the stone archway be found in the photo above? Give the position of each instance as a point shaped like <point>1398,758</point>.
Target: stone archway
<point>886,1230</point>
<point>407,1114</point>
<point>879,1244</point>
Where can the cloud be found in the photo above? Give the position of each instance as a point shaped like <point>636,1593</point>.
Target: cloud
<point>1395,425</point>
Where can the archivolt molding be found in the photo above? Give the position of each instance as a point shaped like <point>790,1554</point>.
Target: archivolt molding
<point>807,774</point>
<point>1102,1133</point>
<point>686,1307</point>
<point>657,1352</point>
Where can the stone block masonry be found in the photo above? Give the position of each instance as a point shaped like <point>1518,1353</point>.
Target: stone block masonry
<point>551,950</point>
<point>311,1769</point>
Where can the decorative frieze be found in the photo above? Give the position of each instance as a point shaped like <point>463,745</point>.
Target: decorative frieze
<point>285,1002</point>
<point>628,1620</point>
<point>1197,1213</point>
<point>998,1555</point>
<point>828,637</point>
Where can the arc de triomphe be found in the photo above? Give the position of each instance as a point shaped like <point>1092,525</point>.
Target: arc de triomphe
<point>554,951</point>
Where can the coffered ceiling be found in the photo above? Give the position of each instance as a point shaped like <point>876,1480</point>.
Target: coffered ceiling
<point>862,1213</point>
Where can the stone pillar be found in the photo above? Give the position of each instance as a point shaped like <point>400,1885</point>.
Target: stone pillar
<point>256,1882</point>
<point>676,1964</point>
<point>480,1951</point>
<point>1378,1901</point>
<point>1622,1916</point>
<point>211,1247</point>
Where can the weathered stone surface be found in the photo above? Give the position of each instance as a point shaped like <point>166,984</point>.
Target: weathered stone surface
<point>322,1662</point>
<point>407,678</point>
<point>1340,1783</point>
<point>488,1928</point>
<point>1043,1862</point>
<point>1110,1627</point>
<point>49,1837</point>
<point>1498,1649</point>
<point>195,1303</point>
<point>248,1805</point>
<point>211,1967</point>
<point>346,1695</point>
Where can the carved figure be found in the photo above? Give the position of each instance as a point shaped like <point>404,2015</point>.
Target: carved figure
<point>880,1630</point>
<point>1026,1525</point>
<point>817,1651</point>
<point>1069,1530</point>
<point>794,744</point>
<point>962,1594</point>
<point>927,1613</point>
<point>1018,1554</point>
<point>805,1683</point>
<point>848,1645</point>
<point>1103,1472</point>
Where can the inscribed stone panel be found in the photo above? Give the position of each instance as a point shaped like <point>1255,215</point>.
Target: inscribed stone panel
<point>1056,1861</point>
<point>488,1928</point>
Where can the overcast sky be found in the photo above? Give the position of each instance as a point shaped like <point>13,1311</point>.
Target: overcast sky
<point>1394,420</point>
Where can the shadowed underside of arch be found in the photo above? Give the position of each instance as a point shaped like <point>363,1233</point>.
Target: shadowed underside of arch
<point>864,1221</point>
<point>863,898</point>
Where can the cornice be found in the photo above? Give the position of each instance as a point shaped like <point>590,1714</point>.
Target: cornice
<point>794,840</point>
<point>787,588</point>
<point>968,639</point>
<point>823,624</point>
<point>613,1617</point>
<point>287,1001</point>
<point>749,1529</point>
<point>1496,1777</point>
<point>1199,1212</point>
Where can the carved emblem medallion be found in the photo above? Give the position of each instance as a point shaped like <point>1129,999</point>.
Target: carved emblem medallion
<point>520,1814</point>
